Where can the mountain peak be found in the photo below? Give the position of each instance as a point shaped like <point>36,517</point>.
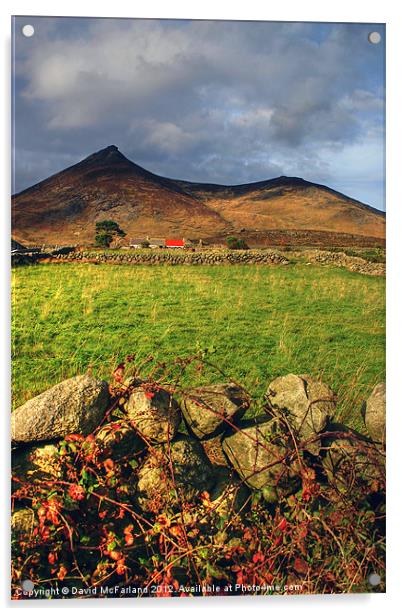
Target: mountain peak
<point>110,148</point>
<point>106,152</point>
<point>110,155</point>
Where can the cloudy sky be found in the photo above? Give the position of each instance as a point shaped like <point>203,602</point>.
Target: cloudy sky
<point>225,102</point>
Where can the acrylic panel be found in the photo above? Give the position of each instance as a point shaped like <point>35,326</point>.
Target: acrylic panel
<point>198,325</point>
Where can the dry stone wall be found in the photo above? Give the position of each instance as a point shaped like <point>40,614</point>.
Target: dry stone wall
<point>205,257</point>
<point>341,259</point>
<point>179,257</point>
<point>202,439</point>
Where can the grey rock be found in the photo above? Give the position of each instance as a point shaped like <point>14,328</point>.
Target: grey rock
<point>205,409</point>
<point>190,465</point>
<point>76,405</point>
<point>33,462</point>
<point>306,403</point>
<point>174,471</point>
<point>261,456</point>
<point>152,486</point>
<point>374,414</point>
<point>121,438</point>
<point>23,521</point>
<point>214,452</point>
<point>156,418</point>
<point>351,460</point>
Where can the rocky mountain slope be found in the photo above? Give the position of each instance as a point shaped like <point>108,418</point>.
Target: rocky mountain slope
<point>106,185</point>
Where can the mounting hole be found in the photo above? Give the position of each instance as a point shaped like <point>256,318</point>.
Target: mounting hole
<point>374,579</point>
<point>27,586</point>
<point>28,30</point>
<point>374,38</point>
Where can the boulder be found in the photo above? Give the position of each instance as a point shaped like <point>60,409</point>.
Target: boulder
<point>76,405</point>
<point>23,521</point>
<point>214,452</point>
<point>229,494</point>
<point>153,484</point>
<point>33,462</point>
<point>373,411</point>
<point>306,403</point>
<point>262,457</point>
<point>352,461</point>
<point>120,438</point>
<point>205,409</point>
<point>192,474</point>
<point>155,414</point>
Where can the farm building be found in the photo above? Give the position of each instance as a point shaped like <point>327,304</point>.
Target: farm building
<point>174,243</point>
<point>137,242</point>
<point>156,242</point>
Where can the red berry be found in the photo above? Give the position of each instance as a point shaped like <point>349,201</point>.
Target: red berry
<point>76,492</point>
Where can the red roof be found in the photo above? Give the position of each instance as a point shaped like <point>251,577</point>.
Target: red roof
<point>174,243</point>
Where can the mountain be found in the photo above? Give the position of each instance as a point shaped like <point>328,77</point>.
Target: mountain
<point>64,208</point>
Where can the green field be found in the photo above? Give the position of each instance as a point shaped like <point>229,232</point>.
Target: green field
<point>261,321</point>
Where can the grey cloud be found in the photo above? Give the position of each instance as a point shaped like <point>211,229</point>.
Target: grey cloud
<point>227,102</point>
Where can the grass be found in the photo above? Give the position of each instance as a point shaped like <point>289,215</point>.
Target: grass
<point>262,322</point>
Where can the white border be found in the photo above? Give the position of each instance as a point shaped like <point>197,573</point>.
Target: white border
<point>387,11</point>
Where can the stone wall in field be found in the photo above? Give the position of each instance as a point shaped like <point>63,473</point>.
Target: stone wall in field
<point>178,257</point>
<point>205,257</point>
<point>341,259</point>
<point>29,257</point>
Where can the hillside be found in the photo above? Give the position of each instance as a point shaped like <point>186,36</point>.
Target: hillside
<point>64,208</point>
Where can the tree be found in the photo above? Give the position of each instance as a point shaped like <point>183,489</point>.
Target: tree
<point>235,243</point>
<point>106,231</point>
<point>231,241</point>
<point>103,239</point>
